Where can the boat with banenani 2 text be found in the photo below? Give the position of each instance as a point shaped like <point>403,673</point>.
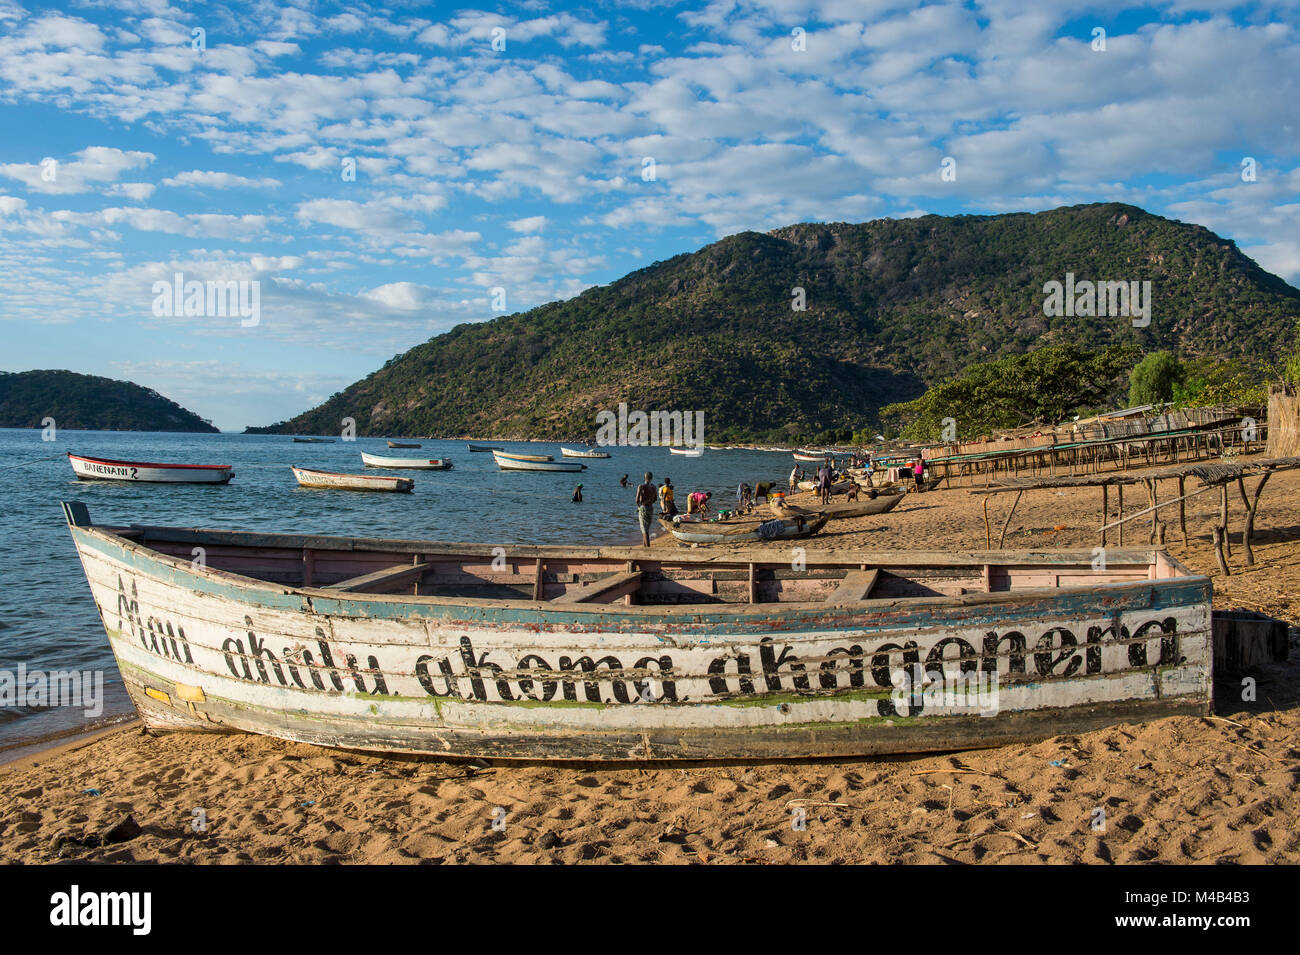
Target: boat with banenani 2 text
<point>146,472</point>
<point>624,653</point>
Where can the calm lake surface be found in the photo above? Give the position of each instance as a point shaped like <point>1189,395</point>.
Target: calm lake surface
<point>48,621</point>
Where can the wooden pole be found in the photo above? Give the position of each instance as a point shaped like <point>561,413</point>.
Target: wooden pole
<point>988,534</point>
<point>1182,508</point>
<point>1105,511</point>
<point>1119,490</point>
<point>1007,522</point>
<point>1223,519</point>
<point>1249,530</point>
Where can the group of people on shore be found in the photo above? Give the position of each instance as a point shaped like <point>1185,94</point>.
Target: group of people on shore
<point>647,493</point>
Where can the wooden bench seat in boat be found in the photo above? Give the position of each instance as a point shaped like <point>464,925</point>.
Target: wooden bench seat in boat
<point>379,581</point>
<point>603,590</point>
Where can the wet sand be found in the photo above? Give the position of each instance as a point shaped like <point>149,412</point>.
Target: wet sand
<point>1184,789</point>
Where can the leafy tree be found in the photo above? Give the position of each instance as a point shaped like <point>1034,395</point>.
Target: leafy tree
<point>1046,385</point>
<point>1155,379</point>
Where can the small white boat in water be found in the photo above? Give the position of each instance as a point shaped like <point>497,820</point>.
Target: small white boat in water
<point>423,464</point>
<point>529,462</point>
<point>687,452</point>
<point>350,482</point>
<point>108,469</point>
<point>584,453</point>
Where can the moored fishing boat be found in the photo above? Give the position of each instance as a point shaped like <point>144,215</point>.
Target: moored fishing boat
<point>583,453</point>
<point>626,654</point>
<point>109,469</point>
<point>313,440</point>
<point>533,462</point>
<point>687,452</point>
<point>745,529</point>
<point>512,456</point>
<point>809,456</point>
<point>350,482</point>
<point>483,447</point>
<point>834,512</point>
<point>403,444</point>
<point>422,464</point>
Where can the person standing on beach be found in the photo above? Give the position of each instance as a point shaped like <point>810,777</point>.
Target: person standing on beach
<point>645,511</point>
<point>667,506</point>
<point>824,483</point>
<point>794,479</point>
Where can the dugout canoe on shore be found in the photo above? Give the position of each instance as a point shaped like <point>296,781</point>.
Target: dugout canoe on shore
<point>741,530</point>
<point>834,512</point>
<point>625,653</point>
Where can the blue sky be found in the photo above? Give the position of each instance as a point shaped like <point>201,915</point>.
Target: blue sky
<point>507,147</point>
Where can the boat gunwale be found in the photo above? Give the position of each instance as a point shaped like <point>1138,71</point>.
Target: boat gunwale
<point>768,609</point>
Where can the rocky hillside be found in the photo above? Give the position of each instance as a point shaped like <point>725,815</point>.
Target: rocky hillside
<point>891,307</point>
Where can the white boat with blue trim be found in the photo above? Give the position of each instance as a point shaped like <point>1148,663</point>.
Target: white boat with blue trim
<point>629,653</point>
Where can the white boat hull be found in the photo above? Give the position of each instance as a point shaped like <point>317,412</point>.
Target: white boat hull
<point>420,464</point>
<point>570,453</point>
<point>106,469</point>
<point>351,482</point>
<point>204,648</point>
<point>507,463</point>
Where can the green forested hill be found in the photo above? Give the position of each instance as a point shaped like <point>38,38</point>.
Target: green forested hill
<point>88,402</point>
<point>892,306</point>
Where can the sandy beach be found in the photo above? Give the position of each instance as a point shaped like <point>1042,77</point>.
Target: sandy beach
<point>1182,790</point>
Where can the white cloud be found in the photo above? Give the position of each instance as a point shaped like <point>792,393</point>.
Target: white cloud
<point>528,225</point>
<point>92,165</point>
<point>219,180</point>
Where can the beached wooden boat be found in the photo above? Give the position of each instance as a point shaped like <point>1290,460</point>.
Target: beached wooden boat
<point>881,504</point>
<point>687,452</point>
<point>632,654</point>
<point>313,440</point>
<point>483,447</point>
<point>422,464</point>
<point>533,462</point>
<point>744,529</point>
<point>351,482</point>
<point>839,487</point>
<point>109,469</point>
<point>403,444</point>
<point>585,453</point>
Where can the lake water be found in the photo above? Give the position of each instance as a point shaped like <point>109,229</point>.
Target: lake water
<point>48,621</point>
